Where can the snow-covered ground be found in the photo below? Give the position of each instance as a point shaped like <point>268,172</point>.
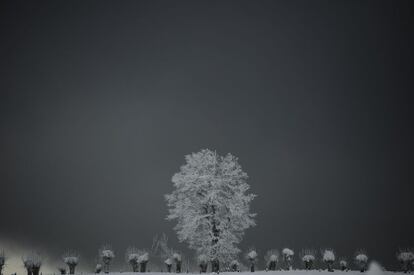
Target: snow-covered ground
<point>291,272</point>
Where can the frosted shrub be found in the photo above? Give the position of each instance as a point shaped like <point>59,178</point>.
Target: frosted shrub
<point>71,259</point>
<point>168,263</point>
<point>343,264</point>
<point>62,270</point>
<point>98,268</point>
<point>131,257</point>
<point>288,254</point>
<point>235,266</point>
<point>361,259</point>
<point>143,260</point>
<point>271,259</point>
<point>308,258</point>
<point>178,262</point>
<point>106,254</point>
<point>406,258</point>
<point>328,257</point>
<point>252,258</point>
<point>202,261</point>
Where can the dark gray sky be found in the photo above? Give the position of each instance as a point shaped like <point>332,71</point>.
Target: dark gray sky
<point>101,100</point>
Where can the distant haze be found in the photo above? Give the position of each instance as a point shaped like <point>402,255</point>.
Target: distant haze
<point>101,100</point>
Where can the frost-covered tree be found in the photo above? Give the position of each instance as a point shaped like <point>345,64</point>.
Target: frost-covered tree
<point>235,266</point>
<point>406,258</point>
<point>202,261</point>
<point>178,261</point>
<point>271,259</point>
<point>361,259</point>
<point>32,263</point>
<point>131,257</point>
<point>288,254</point>
<point>308,258</point>
<point>343,264</point>
<point>98,268</point>
<point>106,254</point>
<point>328,257</point>
<point>166,253</point>
<point>251,257</point>
<point>2,261</point>
<point>71,259</point>
<point>211,205</point>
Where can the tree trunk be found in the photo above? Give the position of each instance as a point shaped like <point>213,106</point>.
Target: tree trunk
<point>178,267</point>
<point>29,271</point>
<point>330,267</point>
<point>36,270</point>
<point>143,267</point>
<point>72,269</point>
<point>272,265</point>
<point>203,268</point>
<point>215,266</point>
<point>252,267</point>
<point>168,268</point>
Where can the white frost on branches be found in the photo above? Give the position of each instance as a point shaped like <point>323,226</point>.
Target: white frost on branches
<point>308,258</point>
<point>252,255</point>
<point>272,256</point>
<point>287,252</point>
<point>405,256</point>
<point>211,204</point>
<point>328,255</point>
<point>361,258</point>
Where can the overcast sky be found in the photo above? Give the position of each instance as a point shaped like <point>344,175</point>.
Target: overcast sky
<point>100,101</point>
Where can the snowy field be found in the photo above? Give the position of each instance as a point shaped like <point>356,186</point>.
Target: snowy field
<point>292,272</point>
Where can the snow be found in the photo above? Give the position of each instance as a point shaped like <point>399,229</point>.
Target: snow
<point>71,260</point>
<point>107,253</point>
<point>288,252</point>
<point>143,258</point>
<point>361,258</point>
<point>168,261</point>
<point>252,255</point>
<point>177,257</point>
<point>405,256</point>
<point>273,258</point>
<point>343,263</point>
<point>374,270</point>
<point>308,258</point>
<point>328,256</point>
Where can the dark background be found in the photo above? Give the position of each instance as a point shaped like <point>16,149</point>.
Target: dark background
<point>100,101</point>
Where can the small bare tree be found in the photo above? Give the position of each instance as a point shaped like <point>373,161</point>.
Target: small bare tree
<point>106,255</point>
<point>2,261</point>
<point>308,258</point>
<point>202,261</point>
<point>251,256</point>
<point>406,258</point>
<point>361,259</point>
<point>271,258</point>
<point>131,257</point>
<point>288,254</point>
<point>71,259</point>
<point>328,257</point>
